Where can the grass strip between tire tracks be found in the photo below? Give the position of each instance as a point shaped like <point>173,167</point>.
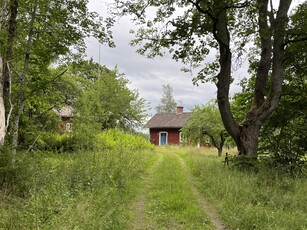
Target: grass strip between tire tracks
<point>170,201</point>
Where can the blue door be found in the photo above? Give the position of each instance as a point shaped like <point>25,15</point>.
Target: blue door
<point>163,138</point>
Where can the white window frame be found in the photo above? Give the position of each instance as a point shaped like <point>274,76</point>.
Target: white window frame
<point>181,137</point>
<point>68,127</point>
<point>160,137</point>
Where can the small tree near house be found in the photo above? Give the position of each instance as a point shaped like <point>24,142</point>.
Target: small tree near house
<point>206,123</point>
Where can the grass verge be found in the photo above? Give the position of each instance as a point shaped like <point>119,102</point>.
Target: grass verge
<point>250,200</point>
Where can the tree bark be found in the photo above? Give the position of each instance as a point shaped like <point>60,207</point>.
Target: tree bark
<point>23,82</point>
<point>221,34</point>
<point>248,140</point>
<point>12,23</point>
<point>246,136</point>
<point>15,130</point>
<point>219,151</point>
<point>2,107</point>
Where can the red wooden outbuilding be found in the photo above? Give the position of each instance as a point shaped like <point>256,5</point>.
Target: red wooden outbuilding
<point>66,115</point>
<point>165,128</point>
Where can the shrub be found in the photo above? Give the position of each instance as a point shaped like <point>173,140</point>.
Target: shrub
<point>56,142</point>
<point>246,163</point>
<point>108,139</point>
<point>291,164</point>
<point>112,138</point>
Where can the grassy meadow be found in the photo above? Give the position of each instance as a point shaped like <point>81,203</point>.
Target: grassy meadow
<point>83,190</point>
<point>267,199</point>
<point>99,190</point>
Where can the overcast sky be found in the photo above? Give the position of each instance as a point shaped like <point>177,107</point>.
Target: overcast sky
<point>148,75</point>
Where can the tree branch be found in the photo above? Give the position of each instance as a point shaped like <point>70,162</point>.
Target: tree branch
<point>295,40</point>
<point>201,10</point>
<point>265,33</point>
<point>9,97</point>
<point>238,5</point>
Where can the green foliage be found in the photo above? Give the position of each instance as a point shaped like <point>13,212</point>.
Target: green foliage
<point>101,100</point>
<point>57,143</point>
<point>191,36</point>
<point>245,163</point>
<point>50,37</point>
<point>47,31</point>
<point>243,100</point>
<point>35,123</point>
<point>167,102</point>
<point>205,125</point>
<point>112,138</point>
<point>107,140</point>
<point>104,99</point>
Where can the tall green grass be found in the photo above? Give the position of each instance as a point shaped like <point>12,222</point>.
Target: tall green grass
<point>267,199</point>
<point>85,190</point>
<point>102,140</point>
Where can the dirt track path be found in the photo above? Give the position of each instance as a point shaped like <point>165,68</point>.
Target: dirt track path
<point>142,217</point>
<point>204,204</point>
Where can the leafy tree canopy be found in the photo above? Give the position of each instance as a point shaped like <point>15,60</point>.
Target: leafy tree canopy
<point>104,99</point>
<point>206,124</point>
<point>33,36</point>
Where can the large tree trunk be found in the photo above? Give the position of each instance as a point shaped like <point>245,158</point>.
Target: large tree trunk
<point>247,143</point>
<point>219,152</point>
<point>246,136</point>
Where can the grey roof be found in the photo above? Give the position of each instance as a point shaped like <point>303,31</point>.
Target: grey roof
<point>168,120</point>
<point>66,111</point>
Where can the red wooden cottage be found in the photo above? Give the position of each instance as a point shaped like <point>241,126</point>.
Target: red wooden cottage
<point>164,128</point>
<point>66,115</point>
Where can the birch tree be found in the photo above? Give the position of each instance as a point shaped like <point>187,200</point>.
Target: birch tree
<point>2,107</point>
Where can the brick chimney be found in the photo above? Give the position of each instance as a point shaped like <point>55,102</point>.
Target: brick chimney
<point>179,109</point>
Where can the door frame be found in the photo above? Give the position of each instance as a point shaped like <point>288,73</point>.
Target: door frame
<point>166,136</point>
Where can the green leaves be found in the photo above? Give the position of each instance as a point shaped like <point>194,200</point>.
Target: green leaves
<point>46,31</point>
<point>205,125</point>
<point>105,101</point>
